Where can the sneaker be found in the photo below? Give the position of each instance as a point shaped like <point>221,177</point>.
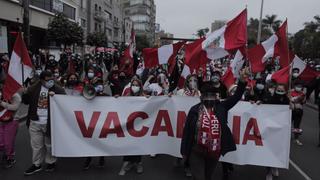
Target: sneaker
<point>33,169</point>
<point>50,167</point>
<point>269,176</point>
<point>299,143</point>
<point>275,172</point>
<point>123,168</point>
<point>86,165</point>
<point>139,168</point>
<point>10,163</point>
<point>101,162</point>
<point>187,172</point>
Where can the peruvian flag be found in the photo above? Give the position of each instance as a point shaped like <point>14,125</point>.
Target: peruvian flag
<point>233,72</point>
<point>219,43</point>
<point>164,55</point>
<point>19,59</point>
<point>185,72</point>
<point>128,54</point>
<point>275,46</point>
<point>306,73</point>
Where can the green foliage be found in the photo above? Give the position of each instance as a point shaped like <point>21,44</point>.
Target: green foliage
<point>271,22</point>
<point>142,42</point>
<point>97,39</point>
<point>253,27</point>
<point>202,32</point>
<point>63,31</point>
<point>306,42</point>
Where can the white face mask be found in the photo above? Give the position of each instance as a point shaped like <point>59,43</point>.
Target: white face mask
<point>99,88</point>
<point>90,75</point>
<point>135,89</point>
<point>295,75</point>
<point>299,89</point>
<point>49,84</point>
<point>38,72</point>
<point>56,75</point>
<point>260,86</point>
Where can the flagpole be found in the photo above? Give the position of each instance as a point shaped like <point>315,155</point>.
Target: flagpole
<point>291,64</point>
<point>22,68</point>
<point>260,23</point>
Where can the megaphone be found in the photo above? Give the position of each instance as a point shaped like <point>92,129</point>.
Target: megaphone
<point>89,92</point>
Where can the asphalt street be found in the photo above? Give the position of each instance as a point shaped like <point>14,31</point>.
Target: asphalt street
<point>306,159</point>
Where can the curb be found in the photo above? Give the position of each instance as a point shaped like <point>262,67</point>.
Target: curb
<point>312,106</point>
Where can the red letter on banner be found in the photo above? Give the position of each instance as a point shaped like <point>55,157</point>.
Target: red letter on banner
<point>180,123</point>
<point>87,132</point>
<point>256,136</point>
<point>130,124</point>
<point>114,118</point>
<point>236,129</point>
<point>162,115</point>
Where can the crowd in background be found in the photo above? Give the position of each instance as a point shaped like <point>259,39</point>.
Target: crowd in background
<point>109,74</point>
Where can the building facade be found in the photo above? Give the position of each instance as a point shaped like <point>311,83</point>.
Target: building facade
<point>161,42</point>
<point>217,25</point>
<point>143,15</point>
<point>40,14</point>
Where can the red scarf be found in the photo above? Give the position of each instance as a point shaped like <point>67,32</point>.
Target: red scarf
<point>209,133</point>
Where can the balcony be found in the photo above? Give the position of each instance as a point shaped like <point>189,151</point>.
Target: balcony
<point>116,24</point>
<point>98,16</point>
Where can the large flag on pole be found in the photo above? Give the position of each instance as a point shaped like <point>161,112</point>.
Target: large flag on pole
<point>164,55</point>
<point>219,43</point>
<point>306,73</point>
<point>275,46</point>
<point>20,67</point>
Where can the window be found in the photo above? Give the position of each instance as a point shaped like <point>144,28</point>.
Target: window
<point>43,4</point>
<point>69,11</point>
<point>95,26</point>
<point>83,23</point>
<point>96,7</point>
<point>99,8</point>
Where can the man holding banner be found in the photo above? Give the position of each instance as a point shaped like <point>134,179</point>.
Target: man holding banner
<point>206,135</point>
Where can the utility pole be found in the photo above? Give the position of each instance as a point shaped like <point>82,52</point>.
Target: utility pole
<point>260,23</point>
<point>26,23</point>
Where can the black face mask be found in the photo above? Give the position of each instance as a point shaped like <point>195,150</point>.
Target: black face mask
<point>73,82</point>
<point>209,103</point>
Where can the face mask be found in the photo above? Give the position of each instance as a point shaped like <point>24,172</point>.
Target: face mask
<point>215,79</point>
<point>135,89</point>
<point>162,78</point>
<point>295,75</point>
<point>280,92</point>
<point>99,88</point>
<point>72,82</point>
<point>299,89</point>
<point>38,72</point>
<point>49,84</point>
<point>260,86</point>
<point>90,75</point>
<point>271,90</point>
<point>56,75</point>
<point>94,65</point>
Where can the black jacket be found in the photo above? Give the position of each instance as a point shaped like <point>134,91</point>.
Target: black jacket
<point>221,110</point>
<point>31,97</point>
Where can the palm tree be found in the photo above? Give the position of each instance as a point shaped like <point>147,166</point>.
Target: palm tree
<point>272,22</point>
<point>202,32</point>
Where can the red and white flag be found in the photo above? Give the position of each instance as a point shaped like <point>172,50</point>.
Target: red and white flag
<point>128,55</point>
<point>219,43</point>
<point>19,59</point>
<point>306,73</point>
<point>275,46</point>
<point>233,72</point>
<point>157,56</point>
<point>185,72</point>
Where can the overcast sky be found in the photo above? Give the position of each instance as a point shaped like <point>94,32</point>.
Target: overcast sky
<point>184,17</point>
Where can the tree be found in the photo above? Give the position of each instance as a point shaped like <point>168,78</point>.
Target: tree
<point>253,32</point>
<point>97,39</point>
<point>202,32</point>
<point>142,42</point>
<point>272,22</point>
<point>306,42</point>
<point>63,31</point>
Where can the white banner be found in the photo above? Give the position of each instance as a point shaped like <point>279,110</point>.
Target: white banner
<point>108,126</point>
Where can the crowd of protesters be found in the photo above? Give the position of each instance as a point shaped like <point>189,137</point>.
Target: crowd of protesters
<point>108,74</point>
